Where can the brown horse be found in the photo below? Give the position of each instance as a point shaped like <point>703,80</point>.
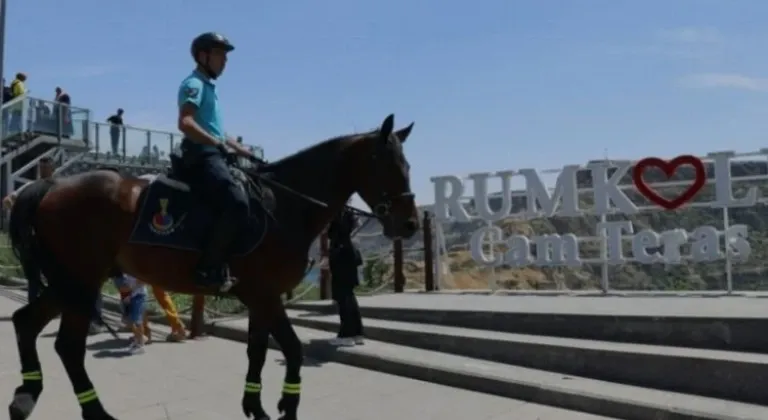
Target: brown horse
<point>78,228</point>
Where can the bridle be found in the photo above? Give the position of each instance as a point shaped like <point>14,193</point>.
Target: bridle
<point>382,209</point>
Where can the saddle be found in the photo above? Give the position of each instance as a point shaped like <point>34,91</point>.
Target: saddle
<point>183,170</point>
<point>173,214</point>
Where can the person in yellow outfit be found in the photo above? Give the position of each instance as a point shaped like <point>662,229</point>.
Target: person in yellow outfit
<point>178,332</point>
<point>18,89</point>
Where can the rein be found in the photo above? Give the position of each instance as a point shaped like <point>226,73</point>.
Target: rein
<point>254,173</point>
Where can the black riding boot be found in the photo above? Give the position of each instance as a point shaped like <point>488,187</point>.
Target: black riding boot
<point>212,270</point>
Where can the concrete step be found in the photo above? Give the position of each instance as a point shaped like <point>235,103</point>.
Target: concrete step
<point>548,388</point>
<point>746,334</point>
<point>712,373</point>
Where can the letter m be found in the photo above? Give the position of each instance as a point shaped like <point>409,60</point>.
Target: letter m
<point>541,203</point>
<point>557,250</point>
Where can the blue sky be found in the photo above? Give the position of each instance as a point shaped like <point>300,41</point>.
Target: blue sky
<point>491,84</point>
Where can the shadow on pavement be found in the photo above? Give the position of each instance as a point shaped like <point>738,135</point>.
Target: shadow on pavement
<point>109,344</point>
<point>308,362</point>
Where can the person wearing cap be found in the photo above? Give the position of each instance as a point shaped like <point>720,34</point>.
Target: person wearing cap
<point>204,152</point>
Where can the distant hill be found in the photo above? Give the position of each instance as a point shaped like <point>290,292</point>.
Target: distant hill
<point>687,276</point>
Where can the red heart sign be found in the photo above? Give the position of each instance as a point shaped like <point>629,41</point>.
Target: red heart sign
<point>669,168</point>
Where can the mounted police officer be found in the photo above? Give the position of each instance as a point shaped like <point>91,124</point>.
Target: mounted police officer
<point>204,150</point>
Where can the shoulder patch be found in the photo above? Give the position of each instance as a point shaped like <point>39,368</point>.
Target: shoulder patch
<point>191,92</point>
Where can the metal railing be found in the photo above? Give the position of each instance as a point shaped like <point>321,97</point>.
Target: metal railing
<point>28,114</point>
<point>131,144</point>
<point>108,142</point>
<point>137,145</point>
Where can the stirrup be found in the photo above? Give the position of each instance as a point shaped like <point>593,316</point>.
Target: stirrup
<point>224,283</point>
<point>229,281</point>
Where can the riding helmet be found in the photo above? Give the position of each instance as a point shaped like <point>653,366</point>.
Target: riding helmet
<point>209,40</point>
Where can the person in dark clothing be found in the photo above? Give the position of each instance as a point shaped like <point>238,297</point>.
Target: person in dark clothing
<point>115,127</point>
<point>343,260</point>
<point>7,93</point>
<point>64,112</point>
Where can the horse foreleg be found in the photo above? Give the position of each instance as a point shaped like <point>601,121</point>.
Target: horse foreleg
<point>289,342</point>
<point>258,337</point>
<point>70,345</point>
<point>28,322</point>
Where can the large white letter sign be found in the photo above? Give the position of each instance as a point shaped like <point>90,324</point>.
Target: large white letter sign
<point>723,191</point>
<point>449,205</point>
<point>565,191</point>
<point>609,200</point>
<point>482,205</point>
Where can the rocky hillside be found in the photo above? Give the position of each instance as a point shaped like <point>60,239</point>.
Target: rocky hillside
<point>465,273</point>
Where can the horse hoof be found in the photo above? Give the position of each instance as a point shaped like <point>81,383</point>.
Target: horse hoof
<point>14,413</point>
<point>21,407</point>
<point>288,406</point>
<point>104,416</point>
<point>95,415</point>
<point>255,413</point>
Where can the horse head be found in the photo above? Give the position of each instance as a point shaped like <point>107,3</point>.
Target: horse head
<point>383,179</point>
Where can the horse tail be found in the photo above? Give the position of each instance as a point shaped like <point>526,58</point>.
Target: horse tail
<point>21,229</point>
<point>28,248</point>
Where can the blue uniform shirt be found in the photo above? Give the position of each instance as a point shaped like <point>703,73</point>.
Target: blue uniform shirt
<point>198,90</point>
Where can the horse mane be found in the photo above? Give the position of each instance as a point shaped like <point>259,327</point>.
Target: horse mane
<point>323,150</point>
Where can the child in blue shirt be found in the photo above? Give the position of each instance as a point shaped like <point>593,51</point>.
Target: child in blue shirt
<point>135,302</point>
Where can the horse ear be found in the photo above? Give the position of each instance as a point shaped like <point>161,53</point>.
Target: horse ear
<point>387,126</point>
<point>403,133</point>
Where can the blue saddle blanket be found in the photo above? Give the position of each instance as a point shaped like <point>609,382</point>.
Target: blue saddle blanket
<point>174,217</point>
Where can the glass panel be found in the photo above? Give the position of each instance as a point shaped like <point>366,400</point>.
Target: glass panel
<point>136,145</point>
<point>13,121</point>
<point>161,144</point>
<point>107,141</point>
<point>133,145</point>
<point>54,119</point>
<point>176,147</point>
<point>258,152</point>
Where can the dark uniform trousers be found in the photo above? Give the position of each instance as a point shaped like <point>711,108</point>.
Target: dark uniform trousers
<point>209,173</point>
<point>343,263</point>
<point>219,188</point>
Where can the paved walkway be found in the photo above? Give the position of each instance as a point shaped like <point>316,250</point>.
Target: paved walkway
<point>202,380</point>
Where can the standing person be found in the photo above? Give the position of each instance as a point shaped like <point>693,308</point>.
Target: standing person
<point>343,260</point>
<point>7,95</point>
<point>178,332</point>
<point>204,148</point>
<point>18,88</point>
<point>64,112</point>
<point>115,127</point>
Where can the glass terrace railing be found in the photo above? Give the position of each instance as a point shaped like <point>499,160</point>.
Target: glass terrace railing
<point>131,144</point>
<point>45,117</point>
<point>127,144</point>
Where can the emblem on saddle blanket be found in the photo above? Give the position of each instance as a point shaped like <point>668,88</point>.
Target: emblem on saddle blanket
<point>162,222</point>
